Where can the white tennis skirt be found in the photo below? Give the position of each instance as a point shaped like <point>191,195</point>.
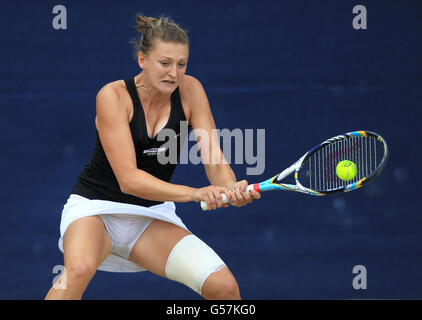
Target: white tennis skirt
<point>78,207</point>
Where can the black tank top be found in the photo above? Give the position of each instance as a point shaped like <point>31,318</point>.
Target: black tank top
<point>97,180</point>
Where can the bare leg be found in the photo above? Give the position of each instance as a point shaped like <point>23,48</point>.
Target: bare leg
<point>86,245</point>
<point>221,285</point>
<point>154,246</point>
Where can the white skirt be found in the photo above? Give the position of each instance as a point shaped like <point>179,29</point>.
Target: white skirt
<point>78,207</point>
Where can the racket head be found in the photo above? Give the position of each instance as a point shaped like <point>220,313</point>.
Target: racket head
<point>317,170</point>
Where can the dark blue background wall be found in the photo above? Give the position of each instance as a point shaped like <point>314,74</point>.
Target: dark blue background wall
<point>297,69</point>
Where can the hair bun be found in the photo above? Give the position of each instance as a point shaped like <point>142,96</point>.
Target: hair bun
<point>142,22</point>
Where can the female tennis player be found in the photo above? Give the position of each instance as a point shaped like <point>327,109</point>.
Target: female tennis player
<point>120,216</point>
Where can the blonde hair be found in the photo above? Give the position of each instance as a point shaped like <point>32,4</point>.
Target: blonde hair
<point>162,29</point>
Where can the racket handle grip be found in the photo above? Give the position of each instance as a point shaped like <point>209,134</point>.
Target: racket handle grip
<point>224,197</point>
<point>204,204</point>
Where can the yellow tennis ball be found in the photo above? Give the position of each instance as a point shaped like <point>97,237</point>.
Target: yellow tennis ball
<point>346,170</point>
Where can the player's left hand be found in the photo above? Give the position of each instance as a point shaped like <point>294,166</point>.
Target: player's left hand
<point>241,197</point>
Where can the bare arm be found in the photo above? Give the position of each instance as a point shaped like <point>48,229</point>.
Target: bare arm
<point>217,169</point>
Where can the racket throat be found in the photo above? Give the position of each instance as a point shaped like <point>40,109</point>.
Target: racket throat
<point>254,187</point>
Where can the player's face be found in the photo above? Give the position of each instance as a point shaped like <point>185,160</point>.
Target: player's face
<point>164,66</point>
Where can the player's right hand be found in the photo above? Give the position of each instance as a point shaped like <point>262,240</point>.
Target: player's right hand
<point>212,196</point>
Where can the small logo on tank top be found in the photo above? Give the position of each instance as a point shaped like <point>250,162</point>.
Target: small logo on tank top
<point>154,151</point>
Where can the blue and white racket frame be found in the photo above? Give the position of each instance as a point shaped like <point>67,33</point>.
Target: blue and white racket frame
<point>272,183</point>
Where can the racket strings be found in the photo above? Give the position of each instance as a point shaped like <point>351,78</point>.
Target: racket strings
<point>318,172</point>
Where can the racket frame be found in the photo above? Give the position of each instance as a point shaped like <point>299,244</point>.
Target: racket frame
<point>272,183</point>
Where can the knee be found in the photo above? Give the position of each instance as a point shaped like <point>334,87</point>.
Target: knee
<point>225,288</point>
<point>229,290</point>
<point>80,270</point>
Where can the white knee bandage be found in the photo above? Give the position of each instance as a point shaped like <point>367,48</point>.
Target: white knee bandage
<point>191,261</point>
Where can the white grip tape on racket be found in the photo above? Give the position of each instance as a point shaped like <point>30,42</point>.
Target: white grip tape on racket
<point>224,197</point>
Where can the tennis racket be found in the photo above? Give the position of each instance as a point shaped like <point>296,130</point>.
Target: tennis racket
<point>315,172</point>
